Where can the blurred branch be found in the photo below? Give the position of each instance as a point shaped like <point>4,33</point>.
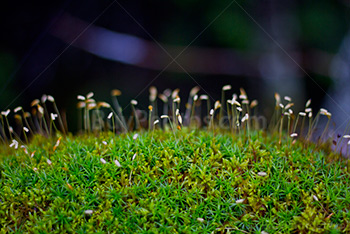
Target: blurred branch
<point>139,52</point>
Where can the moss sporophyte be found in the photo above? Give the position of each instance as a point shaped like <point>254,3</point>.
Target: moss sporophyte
<point>202,169</point>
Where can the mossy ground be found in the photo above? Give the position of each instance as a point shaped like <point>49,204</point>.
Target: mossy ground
<point>194,182</point>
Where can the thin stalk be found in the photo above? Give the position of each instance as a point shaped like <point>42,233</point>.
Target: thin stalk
<point>8,128</point>
<point>248,120</point>
<point>89,124</point>
<point>256,122</point>
<point>31,122</point>
<point>280,131</point>
<point>150,118</point>
<point>137,121</point>
<point>99,119</point>
<point>174,108</point>
<point>119,109</point>
<point>302,125</point>
<point>4,138</point>
<point>172,126</point>
<point>50,127</point>
<point>233,119</point>
<point>59,118</point>
<point>52,123</point>
<point>25,136</point>
<point>25,121</point>
<point>296,123</point>
<point>36,123</point>
<point>152,134</point>
<point>278,118</point>
<point>86,111</point>
<point>154,110</point>
<point>247,109</point>
<point>272,125</point>
<point>326,128</point>
<point>42,120</point>
<point>288,129</point>
<point>313,124</point>
<point>165,112</point>
<point>46,117</point>
<point>228,114</point>
<point>212,123</point>
<point>208,106</point>
<point>113,124</point>
<point>188,113</point>
<point>247,128</point>
<point>192,111</point>
<point>121,123</point>
<point>288,125</point>
<point>238,113</point>
<point>310,126</point>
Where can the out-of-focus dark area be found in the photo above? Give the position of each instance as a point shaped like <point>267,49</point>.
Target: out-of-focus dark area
<point>66,48</point>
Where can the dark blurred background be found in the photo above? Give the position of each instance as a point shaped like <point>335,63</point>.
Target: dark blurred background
<point>66,48</point>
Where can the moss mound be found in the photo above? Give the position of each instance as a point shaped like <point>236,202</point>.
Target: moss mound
<point>160,182</point>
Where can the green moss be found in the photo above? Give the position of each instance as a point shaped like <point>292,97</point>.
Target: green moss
<point>165,184</point>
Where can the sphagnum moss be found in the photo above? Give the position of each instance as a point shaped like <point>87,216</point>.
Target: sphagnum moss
<point>182,179</point>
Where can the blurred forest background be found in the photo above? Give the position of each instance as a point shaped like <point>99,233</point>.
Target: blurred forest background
<point>65,48</point>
